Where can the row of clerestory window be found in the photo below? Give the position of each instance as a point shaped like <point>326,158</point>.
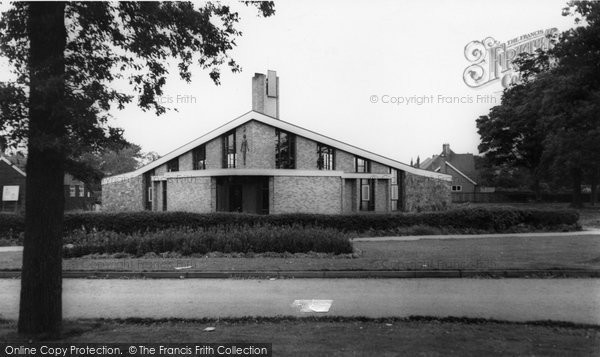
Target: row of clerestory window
<point>285,155</point>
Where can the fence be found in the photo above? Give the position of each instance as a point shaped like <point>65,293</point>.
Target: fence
<point>514,197</point>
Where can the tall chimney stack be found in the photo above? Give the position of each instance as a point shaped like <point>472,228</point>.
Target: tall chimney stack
<point>265,93</point>
<point>446,150</point>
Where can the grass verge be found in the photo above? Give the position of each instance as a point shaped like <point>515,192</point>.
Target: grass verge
<point>563,252</point>
<point>348,336</point>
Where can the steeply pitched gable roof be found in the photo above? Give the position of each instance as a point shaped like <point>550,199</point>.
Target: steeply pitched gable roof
<point>13,166</point>
<point>463,164</point>
<point>280,124</point>
<point>461,173</point>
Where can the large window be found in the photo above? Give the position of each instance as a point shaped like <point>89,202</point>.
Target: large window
<point>362,165</point>
<point>229,150</point>
<point>173,165</point>
<point>326,158</point>
<point>367,195</point>
<point>199,157</point>
<point>285,150</point>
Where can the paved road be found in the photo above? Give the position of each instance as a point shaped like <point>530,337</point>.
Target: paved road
<point>576,300</point>
<point>14,248</point>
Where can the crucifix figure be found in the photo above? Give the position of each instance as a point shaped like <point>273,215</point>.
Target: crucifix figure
<point>244,148</point>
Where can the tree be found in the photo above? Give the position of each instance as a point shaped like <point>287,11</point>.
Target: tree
<point>551,118</point>
<point>115,161</point>
<point>511,135</point>
<point>94,166</point>
<point>65,57</point>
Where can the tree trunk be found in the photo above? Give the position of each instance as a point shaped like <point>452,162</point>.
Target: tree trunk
<point>576,200</point>
<point>41,279</point>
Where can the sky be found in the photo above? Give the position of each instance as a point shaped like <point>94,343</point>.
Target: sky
<point>341,64</point>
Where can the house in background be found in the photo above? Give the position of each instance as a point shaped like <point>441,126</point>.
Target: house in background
<point>12,183</point>
<point>260,164</point>
<point>460,166</point>
<point>78,196</point>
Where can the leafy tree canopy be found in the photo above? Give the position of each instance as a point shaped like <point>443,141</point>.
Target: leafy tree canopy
<point>549,123</point>
<point>110,41</point>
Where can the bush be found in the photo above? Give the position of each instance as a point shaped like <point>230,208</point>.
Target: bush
<point>497,219</point>
<point>187,241</point>
<point>489,219</point>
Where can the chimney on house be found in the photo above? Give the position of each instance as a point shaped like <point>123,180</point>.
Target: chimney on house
<point>265,93</point>
<point>446,150</point>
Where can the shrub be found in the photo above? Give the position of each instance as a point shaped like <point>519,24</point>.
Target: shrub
<point>497,219</point>
<point>491,219</point>
<point>188,241</point>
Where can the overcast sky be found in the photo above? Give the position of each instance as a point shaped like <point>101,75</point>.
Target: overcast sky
<point>333,56</point>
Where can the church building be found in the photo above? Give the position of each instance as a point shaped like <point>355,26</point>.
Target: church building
<point>258,163</point>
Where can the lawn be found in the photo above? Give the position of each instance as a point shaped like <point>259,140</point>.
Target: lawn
<point>565,252</point>
<point>349,337</point>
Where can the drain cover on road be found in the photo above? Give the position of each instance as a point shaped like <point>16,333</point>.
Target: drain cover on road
<point>313,305</point>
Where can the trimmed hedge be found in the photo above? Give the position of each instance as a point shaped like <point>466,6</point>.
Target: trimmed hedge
<point>187,241</point>
<point>496,219</point>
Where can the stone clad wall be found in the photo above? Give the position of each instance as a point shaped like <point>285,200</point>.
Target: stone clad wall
<point>191,194</point>
<point>426,193</point>
<point>306,195</point>
<point>123,194</point>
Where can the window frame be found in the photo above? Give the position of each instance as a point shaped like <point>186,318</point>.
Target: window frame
<point>325,151</point>
<point>199,158</point>
<point>367,203</point>
<point>366,164</point>
<point>229,150</point>
<point>173,165</point>
<point>288,162</point>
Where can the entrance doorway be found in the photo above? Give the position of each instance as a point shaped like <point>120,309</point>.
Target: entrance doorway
<point>248,194</point>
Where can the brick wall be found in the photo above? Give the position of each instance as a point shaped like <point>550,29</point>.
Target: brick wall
<point>261,146</point>
<point>306,195</point>
<point>425,193</point>
<point>378,168</point>
<point>192,194</point>
<point>382,199</point>
<point>157,199</point>
<point>123,195</point>
<point>160,170</point>
<point>214,156</point>
<point>186,162</point>
<point>306,154</point>
<point>349,195</point>
<point>344,161</point>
